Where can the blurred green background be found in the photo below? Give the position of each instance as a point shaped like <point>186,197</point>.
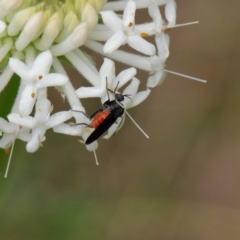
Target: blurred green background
<point>182,183</point>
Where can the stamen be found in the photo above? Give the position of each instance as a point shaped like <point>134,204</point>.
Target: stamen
<point>130,24</point>
<point>180,25</point>
<point>137,125</point>
<point>9,161</point>
<point>95,155</point>
<point>186,76</point>
<point>144,34</point>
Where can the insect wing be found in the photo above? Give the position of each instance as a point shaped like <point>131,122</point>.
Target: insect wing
<point>103,127</point>
<point>95,113</point>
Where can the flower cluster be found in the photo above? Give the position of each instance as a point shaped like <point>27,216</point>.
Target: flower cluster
<point>33,37</point>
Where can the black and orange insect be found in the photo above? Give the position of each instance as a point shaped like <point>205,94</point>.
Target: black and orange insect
<point>105,117</point>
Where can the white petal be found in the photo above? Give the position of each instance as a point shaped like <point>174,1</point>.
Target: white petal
<point>20,69</point>
<point>6,141</point>
<point>156,16</point>
<point>88,92</point>
<point>170,12</point>
<point>132,90</point>
<point>27,100</point>
<point>42,64</point>
<point>34,143</point>
<point>52,79</point>
<point>156,63</point>
<point>58,118</point>
<point>113,129</point>
<point>156,79</point>
<point>107,73</point>
<point>129,14</point>
<point>140,97</point>
<point>113,43</point>
<point>93,146</point>
<point>132,87</point>
<point>27,121</point>
<point>25,136</point>
<point>141,45</point>
<point>162,42</point>
<point>124,76</point>
<point>111,20</point>
<point>68,130</point>
<point>153,11</point>
<point>7,127</point>
<point>42,111</point>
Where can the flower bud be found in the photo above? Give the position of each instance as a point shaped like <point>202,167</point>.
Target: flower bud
<point>69,24</point>
<point>30,30</point>
<point>52,29</point>
<point>90,16</point>
<point>6,6</point>
<point>19,20</point>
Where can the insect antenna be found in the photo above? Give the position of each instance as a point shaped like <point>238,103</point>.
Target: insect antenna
<point>113,92</point>
<point>9,160</point>
<point>116,87</point>
<point>136,124</point>
<point>107,89</point>
<point>128,96</point>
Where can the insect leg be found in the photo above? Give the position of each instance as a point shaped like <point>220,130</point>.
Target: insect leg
<point>81,112</point>
<point>87,125</point>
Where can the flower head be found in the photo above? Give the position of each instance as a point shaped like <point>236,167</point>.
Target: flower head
<point>35,36</point>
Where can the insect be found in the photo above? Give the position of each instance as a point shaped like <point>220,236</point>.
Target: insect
<point>105,117</point>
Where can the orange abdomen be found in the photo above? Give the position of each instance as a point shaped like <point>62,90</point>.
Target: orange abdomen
<point>99,118</point>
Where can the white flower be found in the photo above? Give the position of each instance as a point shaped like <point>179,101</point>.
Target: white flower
<point>157,62</point>
<point>124,31</point>
<point>40,123</point>
<point>35,78</point>
<point>106,74</point>
<point>37,35</point>
<point>11,132</point>
<point>134,99</point>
